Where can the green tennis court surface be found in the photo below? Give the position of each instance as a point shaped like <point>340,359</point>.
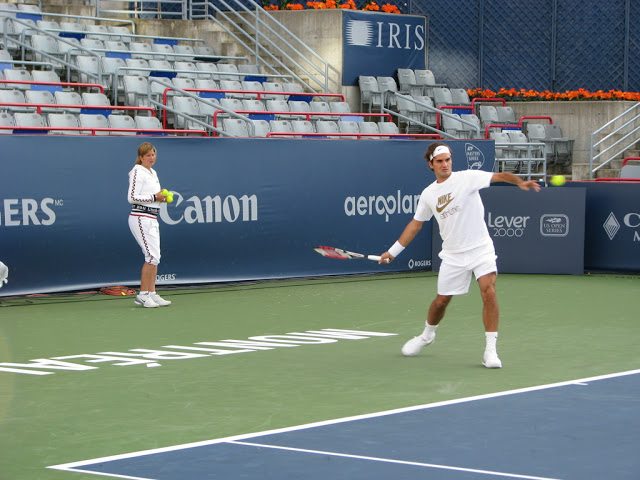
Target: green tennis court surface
<point>153,388</point>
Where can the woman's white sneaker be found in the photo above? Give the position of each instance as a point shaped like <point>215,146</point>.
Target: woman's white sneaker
<point>413,346</point>
<point>146,301</point>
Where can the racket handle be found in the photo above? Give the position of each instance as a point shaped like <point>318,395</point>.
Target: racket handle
<point>375,258</point>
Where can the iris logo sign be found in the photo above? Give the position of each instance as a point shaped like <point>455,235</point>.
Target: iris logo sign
<point>385,35</point>
<point>375,44</point>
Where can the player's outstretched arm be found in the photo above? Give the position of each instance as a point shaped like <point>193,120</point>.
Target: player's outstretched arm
<point>409,233</point>
<point>515,180</point>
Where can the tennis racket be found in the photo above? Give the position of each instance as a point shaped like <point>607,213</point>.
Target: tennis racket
<point>341,254</point>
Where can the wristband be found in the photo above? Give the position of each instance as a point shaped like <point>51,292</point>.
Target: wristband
<point>396,249</point>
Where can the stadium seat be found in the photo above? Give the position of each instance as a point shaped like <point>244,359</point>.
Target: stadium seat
<point>123,122</point>
<point>280,126</point>
<point>235,127</point>
<point>42,97</point>
<point>388,128</point>
<point>94,121</point>
<point>369,128</point>
<point>141,50</point>
<point>327,126</point>
<point>141,63</point>
<point>184,53</point>
<point>209,70</point>
<point>630,170</point>
<point>453,126</point>
<point>274,87</point>
<point>228,71</point>
<point>68,98</point>
<point>136,90</point>
<point>6,120</point>
<point>279,105</point>
<point>388,88</point>
<point>29,120</point>
<point>302,126</point>
<point>261,128</point>
<point>348,127</point>
<point>14,96</point>
<point>460,97</point>
<point>370,95</point>
<point>506,116</point>
<point>563,147</point>
<point>148,123</point>
<point>63,120</point>
<point>441,97</point>
<point>321,107</point>
<point>18,74</point>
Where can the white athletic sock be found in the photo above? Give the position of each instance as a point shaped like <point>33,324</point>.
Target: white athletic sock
<point>144,292</point>
<point>152,293</point>
<point>492,339</point>
<point>429,331</point>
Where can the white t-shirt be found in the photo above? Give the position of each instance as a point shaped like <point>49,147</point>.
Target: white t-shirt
<point>458,208</point>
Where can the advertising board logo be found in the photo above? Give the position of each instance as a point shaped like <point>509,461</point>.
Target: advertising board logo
<point>554,225</point>
<point>507,225</point>
<point>407,36</point>
<point>381,205</point>
<point>210,209</point>
<point>359,33</point>
<point>15,212</point>
<point>418,263</point>
<point>475,157</point>
<point>611,226</point>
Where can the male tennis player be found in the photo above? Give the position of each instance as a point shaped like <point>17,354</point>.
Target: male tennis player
<point>467,247</point>
<point>4,274</point>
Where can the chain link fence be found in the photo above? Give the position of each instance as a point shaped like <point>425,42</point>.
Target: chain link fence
<point>552,45</point>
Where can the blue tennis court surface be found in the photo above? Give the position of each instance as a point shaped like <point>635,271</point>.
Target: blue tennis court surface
<point>587,429</point>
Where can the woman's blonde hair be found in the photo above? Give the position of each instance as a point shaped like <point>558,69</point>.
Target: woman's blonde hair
<point>143,149</point>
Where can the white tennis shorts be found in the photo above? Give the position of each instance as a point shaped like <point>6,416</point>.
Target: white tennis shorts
<point>147,233</point>
<point>454,277</point>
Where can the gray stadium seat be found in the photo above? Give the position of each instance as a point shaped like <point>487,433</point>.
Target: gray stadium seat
<point>121,121</point>
<point>63,120</point>
<point>94,121</point>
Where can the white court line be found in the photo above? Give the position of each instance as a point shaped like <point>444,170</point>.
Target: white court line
<point>72,465</point>
<point>401,462</point>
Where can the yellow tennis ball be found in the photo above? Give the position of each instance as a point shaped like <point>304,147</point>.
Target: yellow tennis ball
<point>170,197</point>
<point>558,180</point>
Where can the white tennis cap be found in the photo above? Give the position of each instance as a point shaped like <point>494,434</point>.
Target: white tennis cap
<point>440,149</point>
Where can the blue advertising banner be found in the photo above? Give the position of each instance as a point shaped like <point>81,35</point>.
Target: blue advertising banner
<point>244,208</point>
<point>377,44</point>
<point>612,232</point>
<point>532,232</point>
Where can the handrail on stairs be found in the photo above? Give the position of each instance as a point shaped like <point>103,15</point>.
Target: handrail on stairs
<point>628,130</point>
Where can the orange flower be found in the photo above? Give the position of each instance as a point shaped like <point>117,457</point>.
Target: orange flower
<point>272,7</point>
<point>294,6</point>
<point>388,8</point>
<point>372,7</point>
<point>349,5</point>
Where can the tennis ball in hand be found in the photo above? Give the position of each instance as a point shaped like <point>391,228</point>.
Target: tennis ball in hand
<point>558,180</point>
<point>168,194</point>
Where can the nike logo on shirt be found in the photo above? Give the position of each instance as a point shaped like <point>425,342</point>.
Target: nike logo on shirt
<point>443,202</point>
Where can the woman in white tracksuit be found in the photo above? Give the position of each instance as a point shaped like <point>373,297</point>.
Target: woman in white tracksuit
<point>145,196</point>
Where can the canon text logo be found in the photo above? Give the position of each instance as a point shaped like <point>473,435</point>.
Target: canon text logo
<point>210,209</point>
<point>28,211</point>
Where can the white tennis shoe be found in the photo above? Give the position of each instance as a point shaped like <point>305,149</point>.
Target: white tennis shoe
<point>491,360</point>
<point>146,301</point>
<point>160,301</point>
<point>413,346</point>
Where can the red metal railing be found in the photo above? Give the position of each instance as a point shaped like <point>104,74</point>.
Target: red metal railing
<point>61,84</point>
